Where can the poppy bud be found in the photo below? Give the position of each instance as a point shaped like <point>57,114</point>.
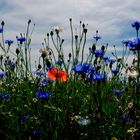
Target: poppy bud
<point>69,55</point>
<point>83,25</point>
<point>2,23</point>
<point>47,34</point>
<point>17,51</point>
<point>29,21</point>
<point>39,66</point>
<point>103,48</point>
<point>93,47</point>
<point>76,36</point>
<point>51,33</point>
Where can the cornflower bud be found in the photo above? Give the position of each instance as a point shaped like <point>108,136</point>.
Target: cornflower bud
<point>17,51</point>
<point>2,23</point>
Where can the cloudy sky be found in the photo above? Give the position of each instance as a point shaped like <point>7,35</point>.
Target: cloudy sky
<point>113,19</point>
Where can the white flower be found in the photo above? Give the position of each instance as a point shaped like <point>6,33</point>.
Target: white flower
<point>83,121</point>
<point>44,52</point>
<point>57,29</point>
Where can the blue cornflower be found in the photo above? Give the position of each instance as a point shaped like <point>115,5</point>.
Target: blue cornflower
<point>21,39</point>
<point>9,42</point>
<point>78,68</point>
<point>2,74</point>
<point>39,73</point>
<point>99,53</point>
<point>45,81</point>
<point>12,65</point>
<point>112,61</point>
<point>107,59</point>
<point>136,25</point>
<point>97,37</point>
<point>118,91</point>
<point>90,72</point>
<point>98,76</point>
<point>126,42</point>
<point>4,96</point>
<point>24,117</point>
<point>37,132</point>
<point>137,44</point>
<point>86,66</point>
<point>59,62</point>
<point>133,45</point>
<point>49,68</point>
<point>1,30</point>
<point>42,94</point>
<point>91,69</point>
<point>115,72</point>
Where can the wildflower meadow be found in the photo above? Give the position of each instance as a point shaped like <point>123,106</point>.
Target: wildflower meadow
<point>74,97</point>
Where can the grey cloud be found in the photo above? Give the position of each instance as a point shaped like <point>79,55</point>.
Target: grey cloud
<point>110,17</point>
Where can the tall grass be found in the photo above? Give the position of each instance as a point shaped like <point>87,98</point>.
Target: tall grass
<point>82,98</point>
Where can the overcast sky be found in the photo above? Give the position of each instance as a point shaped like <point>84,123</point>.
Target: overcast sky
<point>113,18</point>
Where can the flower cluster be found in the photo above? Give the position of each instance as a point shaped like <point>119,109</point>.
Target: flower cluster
<point>89,71</point>
<point>134,45</point>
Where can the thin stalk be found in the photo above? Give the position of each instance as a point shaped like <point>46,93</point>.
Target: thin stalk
<point>26,46</point>
<point>76,50</point>
<point>3,44</point>
<point>54,44</point>
<point>138,51</point>
<point>44,66</point>
<point>52,54</point>
<point>48,40</point>
<point>72,39</point>
<point>30,65</point>
<point>83,48</point>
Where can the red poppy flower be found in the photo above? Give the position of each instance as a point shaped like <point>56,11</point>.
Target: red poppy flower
<point>56,74</point>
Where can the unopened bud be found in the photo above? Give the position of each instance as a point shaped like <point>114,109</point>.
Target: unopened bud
<point>2,23</point>
<point>17,51</point>
<point>29,21</point>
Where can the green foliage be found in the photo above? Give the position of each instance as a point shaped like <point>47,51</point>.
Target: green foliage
<point>35,107</point>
